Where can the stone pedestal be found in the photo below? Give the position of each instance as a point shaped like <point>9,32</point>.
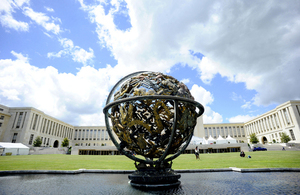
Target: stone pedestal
<point>154,179</point>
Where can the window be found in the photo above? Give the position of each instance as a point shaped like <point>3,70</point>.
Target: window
<point>292,134</point>
<point>24,120</point>
<point>75,136</point>
<point>1,109</point>
<point>106,135</point>
<point>19,120</point>
<point>83,134</point>
<point>14,138</point>
<point>35,120</point>
<point>79,134</point>
<point>87,134</point>
<point>95,134</point>
<point>0,124</point>
<point>31,139</point>
<point>1,117</point>
<point>298,110</point>
<point>286,116</point>
<point>102,135</point>
<point>276,120</point>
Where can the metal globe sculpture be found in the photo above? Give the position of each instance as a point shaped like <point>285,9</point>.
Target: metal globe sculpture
<point>153,116</point>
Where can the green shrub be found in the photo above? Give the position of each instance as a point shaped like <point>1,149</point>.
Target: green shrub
<point>37,142</point>
<point>253,138</point>
<point>65,143</point>
<point>285,138</point>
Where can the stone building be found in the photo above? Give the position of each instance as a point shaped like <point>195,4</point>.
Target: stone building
<point>24,124</point>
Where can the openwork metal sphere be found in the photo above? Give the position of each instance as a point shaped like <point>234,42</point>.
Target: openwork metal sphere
<point>153,115</point>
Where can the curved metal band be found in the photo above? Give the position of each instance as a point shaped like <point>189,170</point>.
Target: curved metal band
<point>165,97</point>
<point>121,81</point>
<point>154,97</point>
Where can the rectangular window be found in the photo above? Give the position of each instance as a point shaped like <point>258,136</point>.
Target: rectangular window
<point>0,124</point>
<point>87,135</point>
<point>1,117</point>
<point>83,134</point>
<point>31,139</point>
<point>24,120</point>
<point>276,120</point>
<point>98,137</point>
<point>286,116</point>
<point>79,134</point>
<point>35,120</point>
<point>14,139</point>
<point>15,120</point>
<point>106,135</point>
<point>95,134</point>
<point>75,135</point>
<point>298,110</point>
<point>102,135</point>
<point>19,120</point>
<point>292,134</point>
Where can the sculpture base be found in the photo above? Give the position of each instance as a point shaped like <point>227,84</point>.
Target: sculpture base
<point>153,179</point>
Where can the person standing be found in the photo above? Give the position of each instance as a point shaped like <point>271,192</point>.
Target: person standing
<point>197,153</point>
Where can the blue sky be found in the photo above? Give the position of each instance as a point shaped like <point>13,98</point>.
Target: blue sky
<point>240,59</point>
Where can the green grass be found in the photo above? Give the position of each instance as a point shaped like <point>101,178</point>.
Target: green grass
<point>265,159</point>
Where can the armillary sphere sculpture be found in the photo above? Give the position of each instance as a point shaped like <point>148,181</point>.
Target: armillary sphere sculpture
<point>153,116</point>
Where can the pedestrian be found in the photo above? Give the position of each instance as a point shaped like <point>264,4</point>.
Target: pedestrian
<point>197,153</point>
<point>242,154</point>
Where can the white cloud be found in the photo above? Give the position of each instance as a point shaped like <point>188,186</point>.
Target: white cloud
<point>49,9</point>
<point>247,105</point>
<point>252,42</point>
<point>205,98</point>
<point>68,97</point>
<point>78,54</point>
<point>6,18</point>
<point>241,119</point>
<point>20,56</point>
<point>185,81</point>
<point>43,20</point>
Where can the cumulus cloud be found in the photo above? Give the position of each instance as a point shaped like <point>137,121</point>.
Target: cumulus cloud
<point>69,97</point>
<point>251,42</point>
<point>78,54</point>
<point>7,20</point>
<point>205,98</point>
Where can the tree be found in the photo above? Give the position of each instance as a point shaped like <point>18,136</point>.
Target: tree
<point>253,138</point>
<point>65,143</point>
<point>285,138</point>
<point>37,142</point>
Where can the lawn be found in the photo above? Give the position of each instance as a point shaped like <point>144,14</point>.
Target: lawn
<point>263,159</point>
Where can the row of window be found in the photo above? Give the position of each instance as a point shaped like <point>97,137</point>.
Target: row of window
<point>269,122</point>
<point>46,127</point>
<point>90,144</point>
<point>52,128</point>
<point>91,134</point>
<point>215,131</point>
<point>18,118</point>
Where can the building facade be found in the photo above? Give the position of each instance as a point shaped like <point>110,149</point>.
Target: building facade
<point>269,126</point>
<point>24,124</point>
